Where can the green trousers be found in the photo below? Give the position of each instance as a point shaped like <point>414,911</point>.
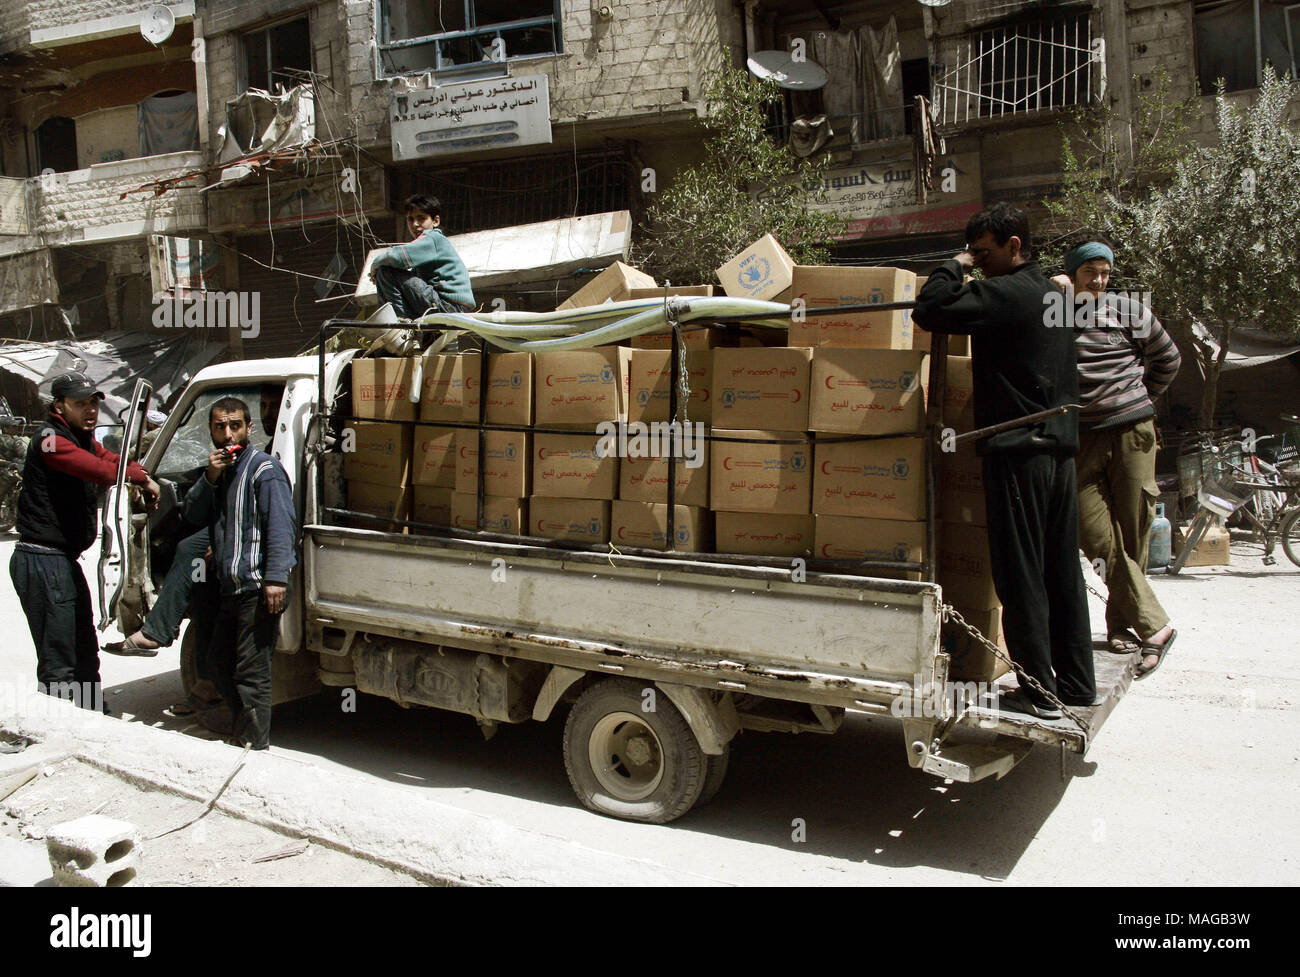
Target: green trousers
<point>1117,504</point>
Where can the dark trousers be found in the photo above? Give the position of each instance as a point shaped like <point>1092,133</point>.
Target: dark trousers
<point>410,295</point>
<point>243,640</point>
<point>56,600</point>
<point>1033,517</point>
<point>163,624</point>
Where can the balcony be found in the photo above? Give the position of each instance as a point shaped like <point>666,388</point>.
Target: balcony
<point>43,25</point>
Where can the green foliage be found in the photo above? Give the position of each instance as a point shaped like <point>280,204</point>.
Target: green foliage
<point>745,187</point>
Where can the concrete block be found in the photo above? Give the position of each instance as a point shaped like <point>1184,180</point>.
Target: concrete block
<point>94,852</point>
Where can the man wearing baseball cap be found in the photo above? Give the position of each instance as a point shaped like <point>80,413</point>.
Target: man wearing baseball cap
<point>56,523</point>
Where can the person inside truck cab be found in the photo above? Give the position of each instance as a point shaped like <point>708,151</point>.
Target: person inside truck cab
<point>426,274</point>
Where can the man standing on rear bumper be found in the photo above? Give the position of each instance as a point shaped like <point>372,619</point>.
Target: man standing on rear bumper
<point>56,521</point>
<point>1021,365</point>
<point>245,500</point>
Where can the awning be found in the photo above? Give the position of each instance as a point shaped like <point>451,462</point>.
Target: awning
<point>1248,346</point>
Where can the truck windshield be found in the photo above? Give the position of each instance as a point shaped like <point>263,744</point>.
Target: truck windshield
<point>191,444</point>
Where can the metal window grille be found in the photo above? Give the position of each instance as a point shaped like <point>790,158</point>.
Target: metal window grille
<point>1026,67</point>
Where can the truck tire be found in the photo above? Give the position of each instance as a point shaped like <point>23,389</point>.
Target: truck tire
<point>199,690</point>
<point>714,776</point>
<point>630,764</point>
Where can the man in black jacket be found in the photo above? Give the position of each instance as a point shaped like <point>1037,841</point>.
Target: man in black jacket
<point>1022,365</point>
<point>56,521</point>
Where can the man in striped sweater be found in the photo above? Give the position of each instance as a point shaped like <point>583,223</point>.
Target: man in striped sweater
<point>1126,360</point>
<point>245,500</point>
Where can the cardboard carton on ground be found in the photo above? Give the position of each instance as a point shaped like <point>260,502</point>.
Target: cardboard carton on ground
<point>442,387</point>
<point>646,479</point>
<point>431,504</point>
<point>433,456</point>
<point>868,391</point>
<point>1213,550</point>
<point>387,501</point>
<point>763,534</point>
<point>851,538</point>
<point>506,473</point>
<point>825,286</point>
<point>752,471</point>
<point>970,660</point>
<point>381,387</point>
<point>762,271</point>
<point>575,520</point>
<point>581,387</point>
<point>761,389</point>
<point>500,515</point>
<point>645,524</point>
<point>650,383</point>
<point>964,570</point>
<point>570,466</point>
<point>381,453</point>
<point>882,479</point>
<point>509,384</point>
<point>960,481</point>
<point>611,285</point>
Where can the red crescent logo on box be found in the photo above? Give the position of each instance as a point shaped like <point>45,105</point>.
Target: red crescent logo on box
<point>705,392</point>
<point>726,463</point>
<point>463,451</point>
<point>620,532</point>
<point>797,396</point>
<point>548,378</point>
<point>825,465</point>
<point>829,385</point>
<point>826,549</point>
<point>541,454</point>
<point>469,383</point>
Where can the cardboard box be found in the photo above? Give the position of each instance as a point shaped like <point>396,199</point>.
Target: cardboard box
<point>388,501</point>
<point>381,388</point>
<point>823,286</point>
<point>852,538</point>
<point>868,391</point>
<point>871,479</point>
<point>611,285</point>
<point>442,387</point>
<point>971,661</point>
<point>686,291</point>
<point>763,534</point>
<point>575,520</point>
<point>650,382</point>
<point>762,271</point>
<point>1213,550</point>
<point>645,524</point>
<point>646,479</point>
<point>957,345</point>
<point>431,505</point>
<point>581,387</point>
<point>381,453</point>
<point>960,481</point>
<point>500,515</point>
<point>964,570</point>
<point>510,388</point>
<point>756,474</point>
<point>692,339</point>
<point>761,389</point>
<point>433,456</point>
<point>567,466</point>
<point>506,473</point>
<point>959,395</point>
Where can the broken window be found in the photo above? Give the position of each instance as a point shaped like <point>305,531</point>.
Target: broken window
<point>1025,66</point>
<point>279,55</point>
<point>446,34</point>
<point>1236,38</point>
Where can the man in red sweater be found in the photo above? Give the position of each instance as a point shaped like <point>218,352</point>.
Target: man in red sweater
<point>56,523</point>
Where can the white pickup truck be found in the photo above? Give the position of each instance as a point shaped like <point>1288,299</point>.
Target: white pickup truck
<point>658,660</point>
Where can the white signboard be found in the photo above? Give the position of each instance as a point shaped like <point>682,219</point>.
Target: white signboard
<point>13,206</point>
<point>497,113</point>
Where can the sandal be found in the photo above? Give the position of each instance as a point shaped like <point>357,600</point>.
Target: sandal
<point>128,647</point>
<point>1122,643</point>
<point>1160,651</point>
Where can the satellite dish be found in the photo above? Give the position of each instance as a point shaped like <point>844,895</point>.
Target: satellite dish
<point>786,72</point>
<point>157,24</point>
<point>936,3</point>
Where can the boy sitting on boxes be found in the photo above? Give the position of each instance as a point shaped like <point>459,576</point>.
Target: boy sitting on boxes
<point>427,274</point>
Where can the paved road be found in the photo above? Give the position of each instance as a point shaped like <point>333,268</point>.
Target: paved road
<point>1193,780</point>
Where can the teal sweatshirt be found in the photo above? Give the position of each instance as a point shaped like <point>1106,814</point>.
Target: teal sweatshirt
<point>432,257</point>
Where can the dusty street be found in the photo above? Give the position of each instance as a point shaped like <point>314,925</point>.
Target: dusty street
<point>1192,781</point>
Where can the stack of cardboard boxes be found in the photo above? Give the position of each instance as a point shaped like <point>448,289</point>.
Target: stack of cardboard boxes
<point>378,451</point>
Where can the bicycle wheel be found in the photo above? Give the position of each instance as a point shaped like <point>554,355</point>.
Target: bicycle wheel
<point>1290,536</point>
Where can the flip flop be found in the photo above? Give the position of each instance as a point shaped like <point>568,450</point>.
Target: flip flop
<point>127,647</point>
<point>1121,644</point>
<point>1160,651</point>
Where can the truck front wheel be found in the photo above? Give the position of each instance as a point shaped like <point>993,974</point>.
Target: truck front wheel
<point>631,763</point>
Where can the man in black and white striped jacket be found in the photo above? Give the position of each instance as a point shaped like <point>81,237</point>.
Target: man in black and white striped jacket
<point>245,499</point>
<point>1126,360</point>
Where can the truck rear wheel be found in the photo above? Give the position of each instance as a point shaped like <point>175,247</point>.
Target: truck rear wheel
<point>630,764</point>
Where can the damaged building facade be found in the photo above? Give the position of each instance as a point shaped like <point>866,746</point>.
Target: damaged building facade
<point>265,145</point>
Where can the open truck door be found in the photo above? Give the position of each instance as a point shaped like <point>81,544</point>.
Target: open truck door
<point>119,551</point>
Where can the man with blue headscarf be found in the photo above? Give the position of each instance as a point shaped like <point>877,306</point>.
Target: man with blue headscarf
<point>1126,360</point>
